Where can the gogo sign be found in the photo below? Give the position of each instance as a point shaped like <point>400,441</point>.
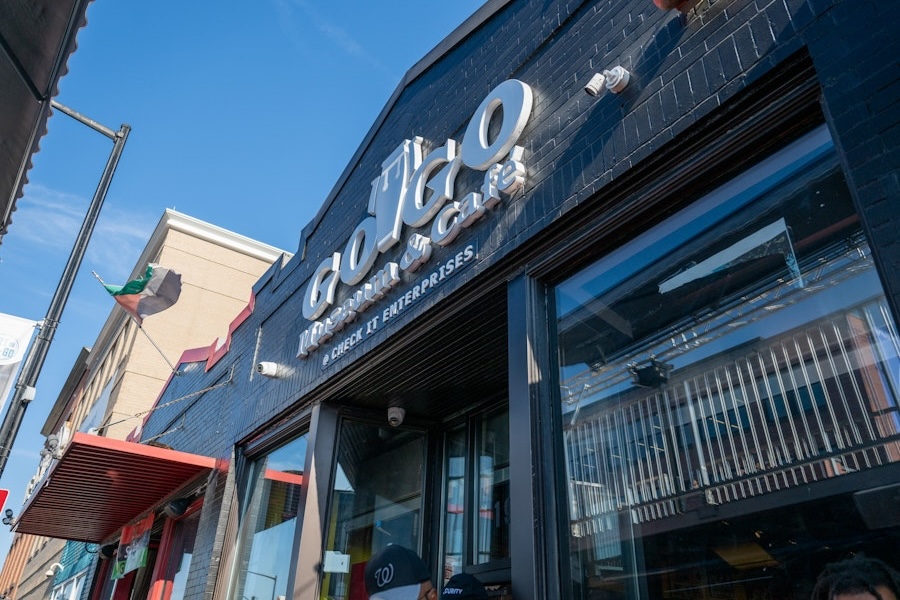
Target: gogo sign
<point>416,191</point>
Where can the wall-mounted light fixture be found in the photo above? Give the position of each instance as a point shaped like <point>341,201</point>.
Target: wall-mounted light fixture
<point>614,80</point>
<point>53,570</point>
<point>176,507</point>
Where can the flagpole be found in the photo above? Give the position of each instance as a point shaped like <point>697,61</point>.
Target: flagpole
<point>37,352</point>
<point>171,366</point>
<point>144,331</point>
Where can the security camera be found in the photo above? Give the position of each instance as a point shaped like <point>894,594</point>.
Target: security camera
<point>596,85</point>
<point>268,369</point>
<point>395,416</point>
<point>614,80</point>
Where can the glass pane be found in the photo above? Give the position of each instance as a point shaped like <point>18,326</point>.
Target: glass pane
<point>269,523</point>
<point>729,397</point>
<point>492,523</point>
<point>179,562</point>
<point>376,501</point>
<point>454,515</point>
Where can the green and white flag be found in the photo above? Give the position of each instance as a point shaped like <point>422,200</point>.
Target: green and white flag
<point>156,291</point>
<point>134,546</point>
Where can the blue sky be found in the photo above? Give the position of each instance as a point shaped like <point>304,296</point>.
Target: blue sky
<point>243,114</point>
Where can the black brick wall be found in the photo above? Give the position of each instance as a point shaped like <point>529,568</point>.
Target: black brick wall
<point>685,68</point>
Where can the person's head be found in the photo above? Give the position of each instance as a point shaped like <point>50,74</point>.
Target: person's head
<point>463,586</point>
<point>858,578</point>
<point>397,573</point>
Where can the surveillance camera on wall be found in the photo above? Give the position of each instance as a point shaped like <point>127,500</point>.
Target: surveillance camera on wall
<point>268,369</point>
<point>614,80</point>
<point>395,416</point>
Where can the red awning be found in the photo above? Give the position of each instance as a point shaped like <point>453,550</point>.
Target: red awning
<point>101,484</point>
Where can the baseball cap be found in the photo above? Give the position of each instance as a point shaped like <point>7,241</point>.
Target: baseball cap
<point>463,586</point>
<point>395,573</point>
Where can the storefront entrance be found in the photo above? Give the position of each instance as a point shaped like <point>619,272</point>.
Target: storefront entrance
<point>442,491</point>
<point>377,499</point>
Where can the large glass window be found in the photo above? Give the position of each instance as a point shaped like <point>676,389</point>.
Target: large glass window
<point>729,387</point>
<point>69,589</point>
<point>178,562</point>
<point>476,501</point>
<point>376,500</point>
<point>269,523</point>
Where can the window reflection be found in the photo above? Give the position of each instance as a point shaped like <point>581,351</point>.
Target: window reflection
<point>455,504</point>
<point>179,561</point>
<point>476,484</point>
<point>376,500</point>
<point>269,523</point>
<point>710,370</point>
<point>492,524</point>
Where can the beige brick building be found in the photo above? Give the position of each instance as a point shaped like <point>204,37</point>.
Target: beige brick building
<point>113,384</point>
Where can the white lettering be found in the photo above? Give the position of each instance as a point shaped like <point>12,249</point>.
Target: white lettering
<point>470,208</point>
<point>489,190</point>
<point>446,226</point>
<point>360,253</point>
<point>512,174</point>
<point>418,251</point>
<point>389,190</point>
<point>515,97</point>
<point>414,191</point>
<point>416,209</point>
<point>320,291</point>
<point>377,286</point>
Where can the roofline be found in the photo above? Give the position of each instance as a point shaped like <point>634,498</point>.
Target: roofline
<point>175,221</point>
<point>456,37</point>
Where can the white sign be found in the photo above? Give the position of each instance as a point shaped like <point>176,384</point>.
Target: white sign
<point>336,562</point>
<point>418,192</point>
<point>15,335</point>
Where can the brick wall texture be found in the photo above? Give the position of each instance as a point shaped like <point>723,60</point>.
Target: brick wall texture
<point>686,68</point>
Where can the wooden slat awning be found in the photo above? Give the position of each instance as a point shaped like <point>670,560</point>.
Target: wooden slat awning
<point>101,484</point>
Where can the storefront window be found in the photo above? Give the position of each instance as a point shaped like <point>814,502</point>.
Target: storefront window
<point>184,533</point>
<point>729,387</point>
<point>376,500</point>
<point>69,589</point>
<point>455,504</point>
<point>476,476</point>
<point>492,524</point>
<point>269,523</point>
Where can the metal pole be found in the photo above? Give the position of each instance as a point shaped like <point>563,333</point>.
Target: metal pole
<point>31,368</point>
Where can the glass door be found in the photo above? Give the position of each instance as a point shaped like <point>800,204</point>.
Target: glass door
<point>376,500</point>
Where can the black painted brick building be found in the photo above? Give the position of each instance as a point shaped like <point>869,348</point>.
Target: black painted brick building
<point>712,90</point>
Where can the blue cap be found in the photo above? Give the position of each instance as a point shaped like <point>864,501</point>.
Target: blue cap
<point>463,586</point>
<point>392,570</point>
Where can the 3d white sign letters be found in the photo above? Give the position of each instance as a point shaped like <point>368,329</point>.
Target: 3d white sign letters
<point>416,191</point>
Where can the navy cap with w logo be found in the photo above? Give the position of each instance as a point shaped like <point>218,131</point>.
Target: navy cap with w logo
<point>395,573</point>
